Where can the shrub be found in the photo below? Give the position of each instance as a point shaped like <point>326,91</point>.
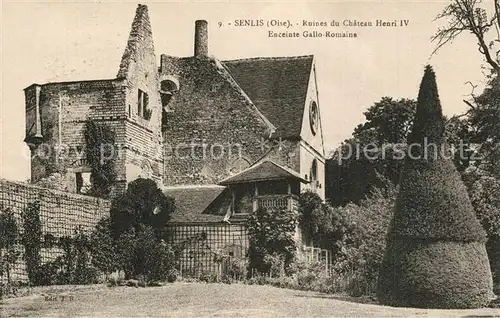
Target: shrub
<point>143,254</point>
<point>271,233</point>
<point>361,250</point>
<point>126,246</point>
<point>9,234</point>
<point>484,192</point>
<point>209,277</point>
<point>143,204</point>
<point>102,248</point>
<point>435,255</point>
<point>49,273</point>
<point>73,266</point>
<point>237,268</point>
<point>159,258</point>
<point>308,274</point>
<point>257,279</point>
<point>133,236</point>
<point>32,240</point>
<point>436,274</point>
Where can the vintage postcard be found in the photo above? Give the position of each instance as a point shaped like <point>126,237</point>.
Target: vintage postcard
<point>250,159</point>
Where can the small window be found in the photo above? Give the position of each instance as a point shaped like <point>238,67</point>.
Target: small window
<point>143,105</point>
<point>243,199</point>
<point>83,183</point>
<point>314,175</point>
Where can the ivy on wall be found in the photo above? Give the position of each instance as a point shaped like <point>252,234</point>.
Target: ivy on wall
<point>9,233</point>
<point>32,239</point>
<point>271,236</point>
<point>100,154</point>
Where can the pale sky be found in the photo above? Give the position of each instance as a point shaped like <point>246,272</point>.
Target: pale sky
<point>50,41</point>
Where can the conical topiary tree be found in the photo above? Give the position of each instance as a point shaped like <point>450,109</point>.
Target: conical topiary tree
<point>435,256</point>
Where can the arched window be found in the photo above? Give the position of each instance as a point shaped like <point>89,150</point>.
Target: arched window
<point>168,86</point>
<point>146,169</point>
<point>238,165</point>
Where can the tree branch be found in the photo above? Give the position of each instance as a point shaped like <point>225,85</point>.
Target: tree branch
<point>465,15</point>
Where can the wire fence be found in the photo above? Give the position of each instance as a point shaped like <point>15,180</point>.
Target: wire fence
<point>208,248</point>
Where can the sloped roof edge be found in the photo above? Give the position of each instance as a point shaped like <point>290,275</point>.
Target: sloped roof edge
<point>240,177</point>
<point>227,75</point>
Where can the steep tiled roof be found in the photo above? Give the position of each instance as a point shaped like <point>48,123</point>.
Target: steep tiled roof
<point>191,203</point>
<point>277,86</point>
<point>265,170</point>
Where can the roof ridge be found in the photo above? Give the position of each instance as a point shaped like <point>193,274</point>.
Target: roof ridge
<point>192,186</point>
<point>270,58</point>
<point>260,163</point>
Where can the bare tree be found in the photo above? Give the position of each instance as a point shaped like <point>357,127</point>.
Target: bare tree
<point>470,16</point>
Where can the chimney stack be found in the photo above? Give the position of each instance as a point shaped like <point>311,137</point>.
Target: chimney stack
<point>201,38</point>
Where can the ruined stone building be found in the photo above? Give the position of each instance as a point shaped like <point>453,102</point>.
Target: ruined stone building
<point>221,137</point>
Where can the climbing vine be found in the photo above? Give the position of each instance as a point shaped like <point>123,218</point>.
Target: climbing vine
<point>32,240</point>
<point>100,154</point>
<point>271,237</point>
<point>9,233</point>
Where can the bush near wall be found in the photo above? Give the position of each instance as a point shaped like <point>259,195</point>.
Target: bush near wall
<point>271,239</point>
<point>133,238</point>
<point>355,233</point>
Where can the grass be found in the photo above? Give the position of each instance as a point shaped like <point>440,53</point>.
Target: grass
<point>198,299</point>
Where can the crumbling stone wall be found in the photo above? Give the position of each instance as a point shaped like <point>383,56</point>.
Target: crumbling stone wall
<point>64,110</point>
<point>139,68</point>
<point>65,107</point>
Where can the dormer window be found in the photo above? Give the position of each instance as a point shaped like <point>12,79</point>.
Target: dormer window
<point>143,105</point>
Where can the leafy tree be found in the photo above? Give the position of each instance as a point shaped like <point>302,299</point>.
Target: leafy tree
<point>388,121</point>
<point>143,203</point>
<point>137,227</point>
<point>481,20</point>
<point>435,257</point>
<point>375,150</point>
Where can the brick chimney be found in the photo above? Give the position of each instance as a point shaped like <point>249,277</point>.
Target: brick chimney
<point>201,38</point>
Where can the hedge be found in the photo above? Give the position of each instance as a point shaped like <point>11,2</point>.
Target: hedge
<point>435,255</point>
<point>433,204</point>
<point>435,274</point>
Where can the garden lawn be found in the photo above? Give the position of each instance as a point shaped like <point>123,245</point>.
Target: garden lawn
<point>199,299</point>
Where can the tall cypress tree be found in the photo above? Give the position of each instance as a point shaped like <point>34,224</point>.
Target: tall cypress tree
<point>435,257</point>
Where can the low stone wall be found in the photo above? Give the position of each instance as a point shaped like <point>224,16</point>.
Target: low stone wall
<point>61,213</point>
